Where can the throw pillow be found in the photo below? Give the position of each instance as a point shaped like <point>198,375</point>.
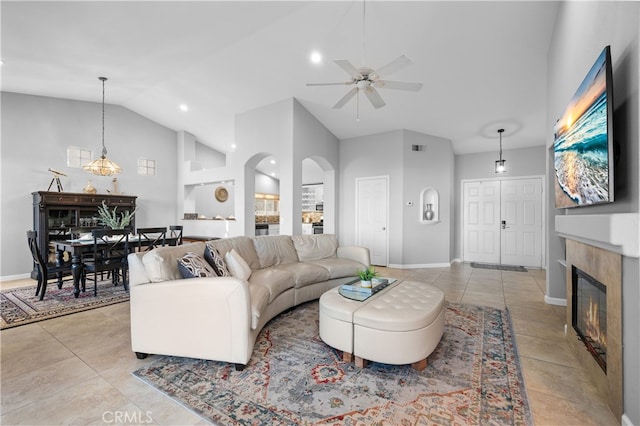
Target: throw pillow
<point>192,265</point>
<point>212,256</point>
<point>238,267</point>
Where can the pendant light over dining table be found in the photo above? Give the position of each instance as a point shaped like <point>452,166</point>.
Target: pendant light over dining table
<point>102,166</point>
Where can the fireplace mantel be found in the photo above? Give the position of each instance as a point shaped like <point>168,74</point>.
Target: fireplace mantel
<point>617,232</point>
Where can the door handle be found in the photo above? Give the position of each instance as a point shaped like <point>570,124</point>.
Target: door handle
<point>504,224</point>
<point>384,228</point>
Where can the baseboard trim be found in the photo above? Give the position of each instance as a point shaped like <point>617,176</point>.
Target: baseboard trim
<point>555,301</point>
<point>15,277</point>
<point>626,421</point>
<point>420,265</point>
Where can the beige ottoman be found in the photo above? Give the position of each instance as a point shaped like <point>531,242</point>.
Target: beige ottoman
<point>401,326</point>
<point>336,321</point>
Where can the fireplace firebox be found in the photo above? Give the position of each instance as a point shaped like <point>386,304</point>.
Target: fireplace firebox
<point>589,314</point>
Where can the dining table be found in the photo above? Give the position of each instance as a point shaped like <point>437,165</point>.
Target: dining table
<point>78,247</point>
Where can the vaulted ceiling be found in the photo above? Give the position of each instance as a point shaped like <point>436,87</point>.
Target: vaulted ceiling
<point>482,64</point>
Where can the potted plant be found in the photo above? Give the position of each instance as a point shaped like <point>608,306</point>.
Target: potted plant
<point>112,219</point>
<point>366,275</point>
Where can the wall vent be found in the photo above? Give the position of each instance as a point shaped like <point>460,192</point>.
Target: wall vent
<point>418,147</point>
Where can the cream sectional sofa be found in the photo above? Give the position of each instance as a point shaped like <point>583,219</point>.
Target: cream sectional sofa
<point>219,318</point>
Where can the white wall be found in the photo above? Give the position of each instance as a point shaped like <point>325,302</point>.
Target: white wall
<point>36,132</point>
<point>368,156</point>
<point>411,244</point>
<point>582,30</point>
<point>520,162</point>
<point>288,131</point>
<point>426,244</point>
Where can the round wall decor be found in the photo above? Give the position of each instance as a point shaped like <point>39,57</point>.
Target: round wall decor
<point>221,194</point>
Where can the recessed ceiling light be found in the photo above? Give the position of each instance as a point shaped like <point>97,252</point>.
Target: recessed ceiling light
<point>315,57</point>
<point>233,145</point>
<point>184,107</point>
<point>273,174</point>
<point>273,161</point>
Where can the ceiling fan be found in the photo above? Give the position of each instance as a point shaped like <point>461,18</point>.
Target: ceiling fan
<point>367,80</point>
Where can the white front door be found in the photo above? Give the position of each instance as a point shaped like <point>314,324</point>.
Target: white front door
<point>521,236</point>
<point>371,217</point>
<point>481,221</point>
<point>502,222</point>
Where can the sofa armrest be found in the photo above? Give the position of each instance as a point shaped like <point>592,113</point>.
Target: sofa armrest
<point>357,254</point>
<point>205,318</point>
<point>137,272</point>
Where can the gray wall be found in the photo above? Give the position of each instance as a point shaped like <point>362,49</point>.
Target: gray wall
<point>289,132</point>
<point>389,154</point>
<point>582,30</point>
<point>520,162</point>
<point>36,132</point>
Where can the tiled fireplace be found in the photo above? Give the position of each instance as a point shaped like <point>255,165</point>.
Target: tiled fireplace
<point>594,316</point>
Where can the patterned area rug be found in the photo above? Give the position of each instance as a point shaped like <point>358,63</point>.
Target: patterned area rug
<point>20,306</point>
<point>293,378</point>
<point>499,267</point>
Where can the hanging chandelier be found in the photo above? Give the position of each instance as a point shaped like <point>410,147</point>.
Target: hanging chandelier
<point>102,166</point>
<point>500,167</point>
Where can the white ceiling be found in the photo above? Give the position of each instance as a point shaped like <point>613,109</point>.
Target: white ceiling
<point>483,64</point>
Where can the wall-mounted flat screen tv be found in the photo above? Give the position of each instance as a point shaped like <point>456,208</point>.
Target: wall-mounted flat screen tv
<point>583,146</point>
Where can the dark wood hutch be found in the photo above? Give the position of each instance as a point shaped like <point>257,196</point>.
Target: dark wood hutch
<point>55,212</point>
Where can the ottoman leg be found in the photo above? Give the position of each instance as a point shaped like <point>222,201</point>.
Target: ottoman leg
<point>361,362</point>
<point>347,357</point>
<point>420,365</point>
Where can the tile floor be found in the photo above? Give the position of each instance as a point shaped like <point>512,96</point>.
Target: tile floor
<point>76,369</point>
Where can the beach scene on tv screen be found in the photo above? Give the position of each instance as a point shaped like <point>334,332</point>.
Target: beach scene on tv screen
<point>581,143</point>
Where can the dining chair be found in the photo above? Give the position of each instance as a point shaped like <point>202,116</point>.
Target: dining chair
<point>110,251</point>
<point>175,233</point>
<point>45,269</point>
<point>150,238</point>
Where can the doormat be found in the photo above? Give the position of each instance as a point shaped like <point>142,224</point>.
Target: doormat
<point>499,267</point>
<point>20,306</point>
<point>293,378</point>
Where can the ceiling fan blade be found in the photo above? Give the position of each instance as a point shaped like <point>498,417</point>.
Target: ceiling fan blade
<point>349,68</point>
<point>397,85</point>
<point>346,83</point>
<point>350,94</point>
<point>392,66</point>
<point>374,97</point>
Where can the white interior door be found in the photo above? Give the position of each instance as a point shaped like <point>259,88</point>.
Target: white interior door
<point>371,217</point>
<point>502,222</point>
<point>481,221</point>
<point>521,236</point>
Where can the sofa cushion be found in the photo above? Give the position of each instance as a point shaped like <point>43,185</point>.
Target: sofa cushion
<point>314,247</point>
<point>216,261</point>
<point>274,250</point>
<point>237,265</point>
<point>192,265</point>
<point>161,263</point>
<point>274,280</point>
<point>304,273</point>
<point>259,300</point>
<point>339,268</point>
<point>243,245</point>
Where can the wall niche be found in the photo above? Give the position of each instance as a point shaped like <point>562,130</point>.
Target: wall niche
<point>429,206</point>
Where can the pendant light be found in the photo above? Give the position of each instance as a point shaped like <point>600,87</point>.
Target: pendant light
<point>500,167</point>
<point>102,166</point>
